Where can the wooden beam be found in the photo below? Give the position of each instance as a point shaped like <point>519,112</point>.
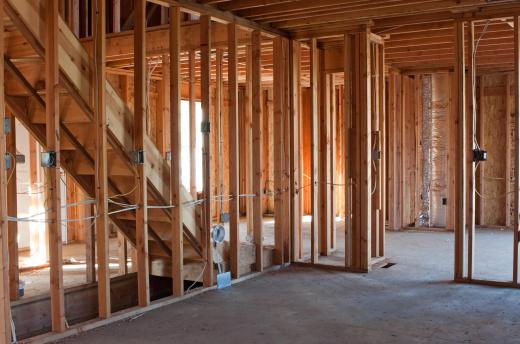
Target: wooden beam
<point>175,144</point>
<point>101,163</point>
<point>5,304</point>
<point>459,100</point>
<point>234,145</point>
<point>517,149</point>
<point>12,210</point>
<point>256,124</point>
<point>205,69</point>
<point>295,142</point>
<point>314,150</point>
<point>140,108</point>
<point>52,174</point>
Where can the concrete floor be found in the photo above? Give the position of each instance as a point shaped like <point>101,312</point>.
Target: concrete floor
<point>414,301</point>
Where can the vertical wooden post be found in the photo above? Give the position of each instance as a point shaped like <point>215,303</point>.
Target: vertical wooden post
<point>471,145</point>
<point>234,163</point>
<point>249,138</point>
<point>12,210</point>
<point>382,147</point>
<point>140,108</point>
<point>193,125</point>
<point>286,172</point>
<point>101,180</point>
<point>332,159</point>
<point>517,148</point>
<point>116,15</point>
<point>52,175</point>
<point>75,17</point>
<point>314,151</point>
<point>5,304</point>
<point>279,161</point>
<point>175,144</point>
<point>394,153</point>
<point>361,154</point>
<point>296,215</point>
<point>348,73</point>
<point>256,86</point>
<point>205,72</point>
<point>460,176</point>
<point>323,159</point>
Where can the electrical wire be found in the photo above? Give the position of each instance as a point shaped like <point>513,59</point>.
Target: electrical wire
<point>198,278</point>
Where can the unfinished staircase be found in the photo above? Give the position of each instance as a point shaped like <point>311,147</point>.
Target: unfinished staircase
<point>27,104</point>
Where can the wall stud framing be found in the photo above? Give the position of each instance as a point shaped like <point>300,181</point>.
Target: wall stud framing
<point>517,149</point>
<point>140,108</point>
<point>101,163</point>
<point>52,175</point>
<point>205,66</point>
<point>314,151</point>
<point>460,175</point>
<point>234,155</point>
<point>5,304</point>
<point>175,144</point>
<point>256,75</point>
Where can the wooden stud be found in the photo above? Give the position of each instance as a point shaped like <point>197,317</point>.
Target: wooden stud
<point>193,125</point>
<point>12,210</point>
<point>471,145</point>
<point>314,151</point>
<point>101,163</point>
<point>347,118</point>
<point>175,144</point>
<point>249,137</point>
<point>382,148</point>
<point>116,15</point>
<point>5,304</point>
<point>332,159</point>
<point>52,175</point>
<point>205,70</point>
<point>256,75</point>
<point>278,127</point>
<point>295,142</point>
<point>234,162</point>
<point>323,159</point>
<point>517,149</point>
<point>361,154</point>
<point>140,108</point>
<point>460,176</point>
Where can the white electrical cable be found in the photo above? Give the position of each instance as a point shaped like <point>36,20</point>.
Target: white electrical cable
<point>198,278</point>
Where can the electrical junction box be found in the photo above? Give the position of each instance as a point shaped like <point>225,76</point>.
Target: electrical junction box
<point>479,155</point>
<point>48,159</point>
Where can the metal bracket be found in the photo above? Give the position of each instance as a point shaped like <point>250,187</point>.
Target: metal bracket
<point>168,156</point>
